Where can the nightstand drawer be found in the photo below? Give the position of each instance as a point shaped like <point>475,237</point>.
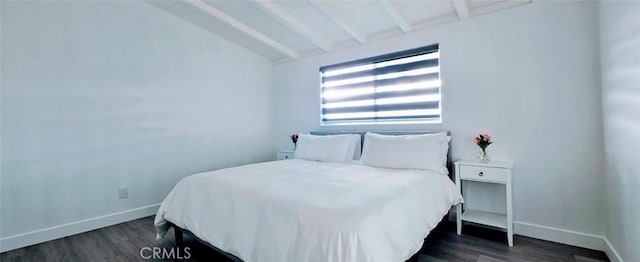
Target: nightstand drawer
<point>284,155</point>
<point>479,173</point>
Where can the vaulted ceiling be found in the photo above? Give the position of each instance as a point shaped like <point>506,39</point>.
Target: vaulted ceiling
<point>284,30</point>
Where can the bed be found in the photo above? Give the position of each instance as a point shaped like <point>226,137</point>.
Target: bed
<point>300,210</point>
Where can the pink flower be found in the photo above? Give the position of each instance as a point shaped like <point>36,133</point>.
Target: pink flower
<point>483,140</point>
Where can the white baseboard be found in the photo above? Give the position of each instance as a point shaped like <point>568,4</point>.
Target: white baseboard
<point>60,231</point>
<point>559,235</point>
<point>564,236</point>
<point>611,252</point>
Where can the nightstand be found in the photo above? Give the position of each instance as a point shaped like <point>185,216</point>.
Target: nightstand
<point>284,154</point>
<point>492,172</point>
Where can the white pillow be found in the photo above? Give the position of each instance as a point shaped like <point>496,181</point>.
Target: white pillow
<point>356,146</point>
<point>338,148</point>
<point>405,151</point>
<point>445,150</point>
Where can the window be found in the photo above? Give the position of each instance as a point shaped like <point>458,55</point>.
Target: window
<point>394,88</point>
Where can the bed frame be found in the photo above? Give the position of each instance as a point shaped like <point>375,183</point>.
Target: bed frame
<point>179,237</point>
<point>180,232</point>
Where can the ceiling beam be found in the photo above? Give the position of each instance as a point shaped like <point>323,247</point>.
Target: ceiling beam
<point>292,23</point>
<point>339,19</point>
<point>497,7</point>
<point>392,10</point>
<point>243,28</point>
<point>461,8</point>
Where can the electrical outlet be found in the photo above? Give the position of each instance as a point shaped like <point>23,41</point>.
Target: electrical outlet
<point>123,192</point>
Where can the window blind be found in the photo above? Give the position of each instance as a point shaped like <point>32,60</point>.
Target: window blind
<point>397,87</point>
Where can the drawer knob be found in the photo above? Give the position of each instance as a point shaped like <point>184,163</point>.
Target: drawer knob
<point>481,174</point>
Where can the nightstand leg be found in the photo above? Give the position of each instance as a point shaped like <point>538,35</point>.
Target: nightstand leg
<point>459,218</point>
<point>509,214</point>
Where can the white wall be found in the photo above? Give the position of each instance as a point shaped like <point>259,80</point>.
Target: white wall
<point>620,58</point>
<point>530,77</point>
<point>98,95</point>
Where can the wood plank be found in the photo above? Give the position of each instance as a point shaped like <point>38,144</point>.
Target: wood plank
<point>123,242</point>
<point>307,32</point>
<point>341,20</point>
<point>461,9</point>
<point>243,28</point>
<point>393,11</point>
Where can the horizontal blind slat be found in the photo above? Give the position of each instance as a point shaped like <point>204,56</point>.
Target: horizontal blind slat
<point>382,108</point>
<point>390,94</point>
<point>386,113</point>
<point>385,101</point>
<point>385,70</point>
<point>378,77</point>
<point>404,118</point>
<point>392,81</point>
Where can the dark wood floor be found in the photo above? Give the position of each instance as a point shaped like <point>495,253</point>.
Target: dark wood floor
<point>123,242</point>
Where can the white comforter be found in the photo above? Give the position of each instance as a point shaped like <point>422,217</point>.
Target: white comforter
<point>297,210</point>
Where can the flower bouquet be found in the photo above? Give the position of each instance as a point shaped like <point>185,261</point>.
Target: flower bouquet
<point>294,139</point>
<point>483,140</point>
